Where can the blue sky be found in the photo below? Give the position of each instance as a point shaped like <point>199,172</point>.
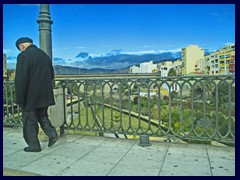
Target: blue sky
<point>131,28</point>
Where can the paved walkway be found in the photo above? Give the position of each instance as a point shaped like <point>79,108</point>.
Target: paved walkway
<point>78,155</point>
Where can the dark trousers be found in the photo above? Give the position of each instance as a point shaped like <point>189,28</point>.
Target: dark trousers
<point>31,128</point>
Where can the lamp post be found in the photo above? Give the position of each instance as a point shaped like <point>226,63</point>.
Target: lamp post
<point>45,36</point>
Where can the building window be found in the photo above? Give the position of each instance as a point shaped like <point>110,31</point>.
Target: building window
<point>227,56</point>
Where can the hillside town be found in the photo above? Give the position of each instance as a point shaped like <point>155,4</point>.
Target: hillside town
<point>194,61</point>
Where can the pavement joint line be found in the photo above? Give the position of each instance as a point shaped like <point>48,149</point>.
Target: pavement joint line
<point>121,158</point>
<point>44,155</point>
<point>14,152</point>
<point>164,158</point>
<point>34,160</point>
<point>84,154</point>
<point>209,162</point>
<point>82,136</point>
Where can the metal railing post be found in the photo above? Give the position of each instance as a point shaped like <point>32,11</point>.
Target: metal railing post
<point>144,141</point>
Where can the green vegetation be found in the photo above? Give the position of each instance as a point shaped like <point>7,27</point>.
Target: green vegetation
<point>172,72</point>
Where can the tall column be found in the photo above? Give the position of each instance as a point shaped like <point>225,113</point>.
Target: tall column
<point>45,36</point>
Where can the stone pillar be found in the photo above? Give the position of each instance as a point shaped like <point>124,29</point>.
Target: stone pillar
<point>56,113</point>
<point>45,36</point>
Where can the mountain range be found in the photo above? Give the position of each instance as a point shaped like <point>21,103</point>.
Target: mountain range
<point>113,62</point>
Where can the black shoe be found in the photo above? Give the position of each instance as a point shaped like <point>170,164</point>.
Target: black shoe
<point>52,141</point>
<point>28,149</point>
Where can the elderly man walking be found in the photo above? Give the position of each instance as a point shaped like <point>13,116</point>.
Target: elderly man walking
<point>34,92</point>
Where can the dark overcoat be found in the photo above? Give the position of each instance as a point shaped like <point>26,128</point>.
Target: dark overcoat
<point>33,79</point>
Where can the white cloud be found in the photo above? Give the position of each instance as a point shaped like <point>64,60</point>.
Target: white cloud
<point>140,52</point>
<point>94,55</point>
<point>5,51</point>
<point>150,51</point>
<point>228,43</point>
<point>175,50</point>
<point>11,53</point>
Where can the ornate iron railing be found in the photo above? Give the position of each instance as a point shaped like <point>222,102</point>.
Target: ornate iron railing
<point>11,111</point>
<point>190,108</point>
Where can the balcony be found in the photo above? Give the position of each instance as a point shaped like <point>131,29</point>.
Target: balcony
<point>193,125</point>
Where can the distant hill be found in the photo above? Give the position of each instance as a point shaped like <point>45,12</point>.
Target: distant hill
<point>114,63</point>
<point>121,61</point>
<point>67,70</point>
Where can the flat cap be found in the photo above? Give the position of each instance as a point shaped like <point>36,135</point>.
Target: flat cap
<point>23,40</point>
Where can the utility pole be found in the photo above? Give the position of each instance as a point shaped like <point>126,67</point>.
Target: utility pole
<point>45,36</point>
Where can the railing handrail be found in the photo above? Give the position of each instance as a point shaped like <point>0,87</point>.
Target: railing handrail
<point>196,107</point>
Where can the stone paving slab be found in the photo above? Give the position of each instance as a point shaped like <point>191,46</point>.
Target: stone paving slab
<point>86,167</point>
<point>49,165</point>
<point>186,160</point>
<point>14,172</point>
<point>79,155</point>
<point>185,165</point>
<point>222,160</point>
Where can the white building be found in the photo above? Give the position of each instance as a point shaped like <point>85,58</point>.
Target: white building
<point>135,69</point>
<point>165,69</point>
<point>146,67</point>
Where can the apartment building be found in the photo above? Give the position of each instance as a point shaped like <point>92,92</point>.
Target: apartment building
<point>11,75</point>
<point>146,67</point>
<point>134,69</point>
<point>232,65</point>
<point>178,65</point>
<point>190,56</point>
<point>200,66</point>
<point>227,56</point>
<point>164,67</point>
<point>4,67</point>
<point>221,62</point>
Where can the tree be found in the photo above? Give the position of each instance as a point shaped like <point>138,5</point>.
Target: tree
<point>155,70</point>
<point>223,93</point>
<point>172,72</point>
